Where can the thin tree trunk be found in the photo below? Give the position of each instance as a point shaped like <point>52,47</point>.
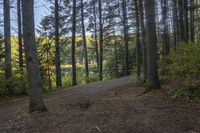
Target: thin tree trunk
<point>138,43</point>
<point>143,38</point>
<point>152,66</point>
<point>48,67</point>
<point>116,56</point>
<point>100,42</point>
<point>126,38</point>
<point>186,20</point>
<point>181,21</point>
<point>84,40</point>
<point>175,26</point>
<point>57,45</point>
<point>166,45</point>
<point>192,34</point>
<point>35,89</point>
<point>49,78</point>
<point>7,37</point>
<point>197,22</point>
<point>95,32</point>
<point>157,10</point>
<point>20,34</point>
<point>74,82</point>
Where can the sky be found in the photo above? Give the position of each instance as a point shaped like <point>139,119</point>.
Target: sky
<point>39,9</point>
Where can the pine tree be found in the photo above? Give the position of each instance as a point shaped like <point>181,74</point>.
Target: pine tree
<point>100,40</point>
<point>20,33</point>
<point>152,53</point>
<point>7,36</point>
<point>57,45</point>
<point>84,40</point>
<point>126,37</point>
<point>35,89</point>
<point>74,81</point>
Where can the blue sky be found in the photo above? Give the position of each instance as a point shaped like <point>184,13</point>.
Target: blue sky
<point>40,10</point>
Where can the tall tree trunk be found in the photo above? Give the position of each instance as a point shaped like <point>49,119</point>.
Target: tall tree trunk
<point>57,45</point>
<point>157,10</point>
<point>7,37</point>
<point>116,56</point>
<point>192,34</point>
<point>126,38</point>
<point>138,43</point>
<point>152,66</point>
<point>175,26</point>
<point>186,20</point>
<point>95,34</point>
<point>143,38</point>
<point>197,22</point>
<point>35,92</point>
<point>74,82</point>
<point>100,42</point>
<point>84,40</point>
<point>49,67</point>
<point>166,45</point>
<point>20,34</point>
<point>181,21</point>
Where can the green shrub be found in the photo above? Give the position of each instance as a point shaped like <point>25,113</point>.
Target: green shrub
<point>187,93</point>
<point>17,85</point>
<point>67,81</point>
<point>92,78</point>
<point>184,64</point>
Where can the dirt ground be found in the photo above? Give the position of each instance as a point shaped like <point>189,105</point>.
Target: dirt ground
<point>118,107</point>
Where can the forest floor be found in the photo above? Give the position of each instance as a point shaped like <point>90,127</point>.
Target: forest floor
<point>116,106</point>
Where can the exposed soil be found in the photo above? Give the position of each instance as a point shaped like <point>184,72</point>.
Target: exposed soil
<point>106,107</point>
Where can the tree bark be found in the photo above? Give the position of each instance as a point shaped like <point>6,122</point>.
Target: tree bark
<point>126,38</point>
<point>95,34</point>
<point>57,45</point>
<point>186,20</point>
<point>143,38</point>
<point>166,42</point>
<point>7,37</point>
<point>20,34</point>
<point>35,92</point>
<point>84,40</point>
<point>152,66</point>
<point>175,26</point>
<point>138,43</point>
<point>74,81</point>
<point>100,42</point>
<point>49,68</point>
<point>192,33</point>
<point>116,56</point>
<point>181,21</point>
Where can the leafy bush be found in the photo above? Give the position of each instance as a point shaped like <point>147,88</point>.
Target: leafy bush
<point>184,64</point>
<point>17,85</point>
<point>187,93</point>
<point>91,78</point>
<point>67,81</point>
